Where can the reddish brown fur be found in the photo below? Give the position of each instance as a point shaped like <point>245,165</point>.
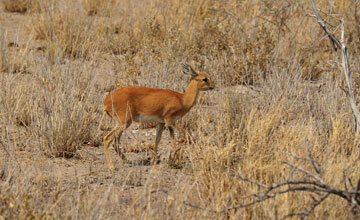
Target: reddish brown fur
<point>138,100</point>
<point>137,103</point>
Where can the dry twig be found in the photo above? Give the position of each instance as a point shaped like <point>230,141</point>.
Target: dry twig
<point>345,62</point>
<point>313,183</point>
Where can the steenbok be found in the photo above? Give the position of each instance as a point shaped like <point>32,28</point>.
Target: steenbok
<point>143,104</point>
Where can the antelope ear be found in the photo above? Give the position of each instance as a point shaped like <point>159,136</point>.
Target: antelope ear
<point>188,70</point>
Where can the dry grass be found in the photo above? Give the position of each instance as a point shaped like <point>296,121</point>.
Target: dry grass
<point>54,111</point>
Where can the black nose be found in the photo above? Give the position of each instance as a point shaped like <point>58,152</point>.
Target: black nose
<point>211,88</point>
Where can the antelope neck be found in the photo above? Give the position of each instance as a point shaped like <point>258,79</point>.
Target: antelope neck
<point>191,94</point>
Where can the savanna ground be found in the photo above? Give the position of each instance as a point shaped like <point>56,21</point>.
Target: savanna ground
<point>278,98</point>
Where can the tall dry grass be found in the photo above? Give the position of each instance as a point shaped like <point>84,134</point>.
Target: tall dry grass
<point>294,106</point>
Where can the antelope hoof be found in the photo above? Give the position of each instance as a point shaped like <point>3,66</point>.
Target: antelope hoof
<point>111,166</point>
<point>155,160</point>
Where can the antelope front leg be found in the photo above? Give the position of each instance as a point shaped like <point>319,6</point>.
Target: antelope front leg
<point>159,130</point>
<point>107,140</point>
<point>117,147</point>
<point>174,154</point>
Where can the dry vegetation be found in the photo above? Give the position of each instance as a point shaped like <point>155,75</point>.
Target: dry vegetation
<point>277,98</point>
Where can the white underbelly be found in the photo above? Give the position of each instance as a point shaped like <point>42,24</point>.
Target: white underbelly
<point>148,118</point>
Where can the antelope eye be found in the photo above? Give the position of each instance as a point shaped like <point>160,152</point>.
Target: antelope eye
<point>205,80</point>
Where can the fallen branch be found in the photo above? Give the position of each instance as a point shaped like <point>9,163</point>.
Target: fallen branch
<point>317,187</point>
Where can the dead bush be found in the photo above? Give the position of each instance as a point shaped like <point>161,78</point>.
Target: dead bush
<point>24,6</point>
<point>63,94</point>
<point>20,6</point>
